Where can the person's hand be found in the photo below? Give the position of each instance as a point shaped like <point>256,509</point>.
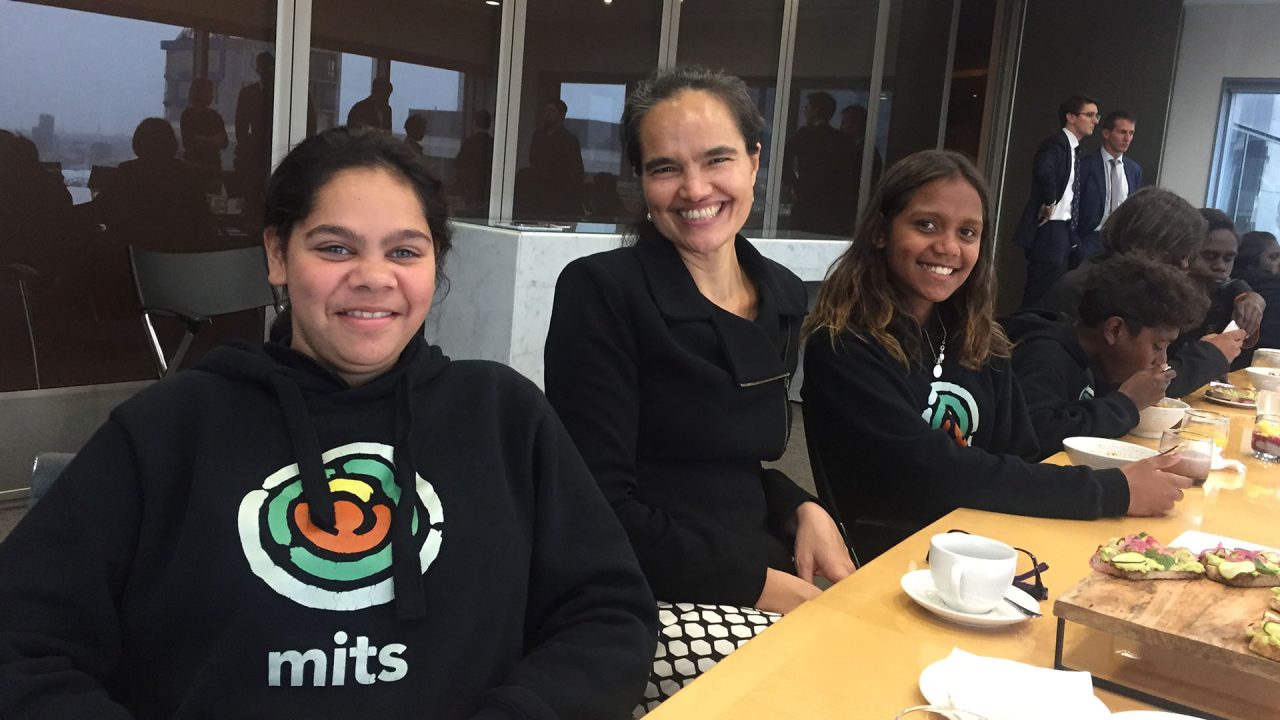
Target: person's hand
<point>820,549</point>
<point>783,592</point>
<point>1228,343</point>
<point>1046,211</point>
<point>1147,387</point>
<point>1152,488</point>
<point>1248,312</point>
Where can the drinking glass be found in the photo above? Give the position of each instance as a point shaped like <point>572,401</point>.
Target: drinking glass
<point>1196,450</point>
<point>1206,422</point>
<point>1266,437</point>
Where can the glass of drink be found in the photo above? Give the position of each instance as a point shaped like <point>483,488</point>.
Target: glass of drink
<point>1196,450</point>
<point>1214,424</point>
<point>1266,437</point>
<point>1266,357</point>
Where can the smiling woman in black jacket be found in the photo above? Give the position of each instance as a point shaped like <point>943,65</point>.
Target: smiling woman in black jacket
<point>668,361</point>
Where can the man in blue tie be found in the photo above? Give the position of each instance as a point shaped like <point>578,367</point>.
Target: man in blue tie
<point>1047,230</point>
<point>1107,177</point>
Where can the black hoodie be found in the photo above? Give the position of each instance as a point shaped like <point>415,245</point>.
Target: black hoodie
<point>177,569</point>
<point>901,449</point>
<point>1196,361</point>
<point>1064,399</point>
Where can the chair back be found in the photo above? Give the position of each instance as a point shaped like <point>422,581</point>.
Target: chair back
<point>47,467</point>
<point>194,287</point>
<point>823,484</point>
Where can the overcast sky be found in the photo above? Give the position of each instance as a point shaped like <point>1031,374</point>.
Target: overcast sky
<point>98,73</point>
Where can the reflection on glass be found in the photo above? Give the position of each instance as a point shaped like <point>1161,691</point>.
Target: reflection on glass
<point>1249,171</point>
<point>822,163</point>
<point>570,147</point>
<point>98,154</point>
<point>969,73</point>
<point>743,37</point>
<point>426,73</point>
<point>914,76</point>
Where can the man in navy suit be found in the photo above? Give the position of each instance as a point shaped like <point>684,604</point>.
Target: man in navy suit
<point>1047,230</point>
<point>1107,177</point>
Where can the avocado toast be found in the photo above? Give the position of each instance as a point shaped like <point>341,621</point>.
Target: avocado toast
<point>1242,568</point>
<point>1142,557</point>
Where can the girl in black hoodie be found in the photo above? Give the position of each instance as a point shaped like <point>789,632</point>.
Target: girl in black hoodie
<point>911,409</point>
<point>339,524</point>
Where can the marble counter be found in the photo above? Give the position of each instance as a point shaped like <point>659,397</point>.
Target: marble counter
<point>496,303</point>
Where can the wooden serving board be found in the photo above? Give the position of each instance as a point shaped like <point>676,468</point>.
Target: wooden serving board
<point>1201,618</point>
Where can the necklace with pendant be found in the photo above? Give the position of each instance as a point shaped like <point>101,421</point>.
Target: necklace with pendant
<point>941,355</point>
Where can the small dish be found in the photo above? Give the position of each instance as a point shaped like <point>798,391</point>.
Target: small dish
<point>1230,395</point>
<point>1264,378</point>
<point>1104,453</point>
<point>918,585</point>
<point>1156,419</point>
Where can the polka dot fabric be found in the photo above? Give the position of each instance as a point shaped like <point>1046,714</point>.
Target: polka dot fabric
<point>692,638</point>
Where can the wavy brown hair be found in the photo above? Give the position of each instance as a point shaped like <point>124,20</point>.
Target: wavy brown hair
<point>860,296</point>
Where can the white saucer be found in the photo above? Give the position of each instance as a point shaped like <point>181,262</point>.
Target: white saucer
<point>919,585</point>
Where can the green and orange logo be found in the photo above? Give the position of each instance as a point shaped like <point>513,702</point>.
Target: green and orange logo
<point>349,569</point>
<point>952,410</point>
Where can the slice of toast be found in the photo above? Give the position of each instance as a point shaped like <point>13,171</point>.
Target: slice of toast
<point>1142,557</point>
<point>1242,568</point>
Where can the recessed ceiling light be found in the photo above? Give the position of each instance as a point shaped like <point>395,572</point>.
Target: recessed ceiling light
<point>494,3</point>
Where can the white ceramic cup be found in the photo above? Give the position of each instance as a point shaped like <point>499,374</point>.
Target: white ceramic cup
<point>971,573</point>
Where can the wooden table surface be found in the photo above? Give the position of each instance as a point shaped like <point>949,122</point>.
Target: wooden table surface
<point>857,650</point>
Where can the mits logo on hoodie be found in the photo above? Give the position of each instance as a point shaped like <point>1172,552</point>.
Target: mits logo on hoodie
<point>952,410</point>
<point>349,569</point>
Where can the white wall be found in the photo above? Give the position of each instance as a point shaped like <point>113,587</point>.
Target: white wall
<point>1218,41</point>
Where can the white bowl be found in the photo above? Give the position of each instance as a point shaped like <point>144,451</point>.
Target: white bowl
<point>1155,420</point>
<point>1103,453</point>
<point>1264,378</point>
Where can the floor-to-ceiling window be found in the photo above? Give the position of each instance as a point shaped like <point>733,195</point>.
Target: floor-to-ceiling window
<point>1246,170</point>
<point>129,123</point>
<point>425,71</point>
<point>569,164</point>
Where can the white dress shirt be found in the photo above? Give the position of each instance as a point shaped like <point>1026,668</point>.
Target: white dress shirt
<point>1062,209</point>
<point>1107,172</point>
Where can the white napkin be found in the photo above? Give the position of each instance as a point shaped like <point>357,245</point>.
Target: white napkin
<point>999,689</point>
<point>1218,462</point>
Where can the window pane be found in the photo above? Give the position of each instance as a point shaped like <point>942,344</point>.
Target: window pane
<point>441,58</point>
<point>1249,171</point>
<point>742,37</point>
<point>915,70</point>
<point>132,122</point>
<point>831,78</point>
<point>570,159</point>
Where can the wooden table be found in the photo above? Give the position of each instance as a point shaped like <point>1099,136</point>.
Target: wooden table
<point>857,650</point>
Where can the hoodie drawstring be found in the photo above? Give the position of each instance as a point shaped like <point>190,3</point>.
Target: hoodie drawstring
<point>410,595</point>
<point>306,448</point>
<point>411,598</point>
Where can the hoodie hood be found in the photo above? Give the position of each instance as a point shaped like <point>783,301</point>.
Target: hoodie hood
<point>299,383</point>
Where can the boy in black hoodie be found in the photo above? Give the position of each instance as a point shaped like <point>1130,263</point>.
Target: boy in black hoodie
<point>1093,376</point>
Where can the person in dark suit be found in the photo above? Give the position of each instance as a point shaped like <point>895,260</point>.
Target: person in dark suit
<point>1047,230</point>
<point>1107,177</point>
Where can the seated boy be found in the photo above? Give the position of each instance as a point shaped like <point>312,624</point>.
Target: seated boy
<point>1157,224</point>
<point>1091,377</point>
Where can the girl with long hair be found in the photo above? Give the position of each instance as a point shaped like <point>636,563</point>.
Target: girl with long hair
<point>911,408</point>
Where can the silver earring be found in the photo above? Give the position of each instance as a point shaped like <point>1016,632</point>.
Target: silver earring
<point>648,216</point>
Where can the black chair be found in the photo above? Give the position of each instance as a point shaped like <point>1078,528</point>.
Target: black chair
<point>866,537</point>
<point>47,467</point>
<point>194,287</point>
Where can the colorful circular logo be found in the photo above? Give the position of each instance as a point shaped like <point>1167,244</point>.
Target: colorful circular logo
<point>952,410</point>
<point>349,569</point>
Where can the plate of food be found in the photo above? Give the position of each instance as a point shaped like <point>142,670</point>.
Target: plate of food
<point>1228,394</point>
